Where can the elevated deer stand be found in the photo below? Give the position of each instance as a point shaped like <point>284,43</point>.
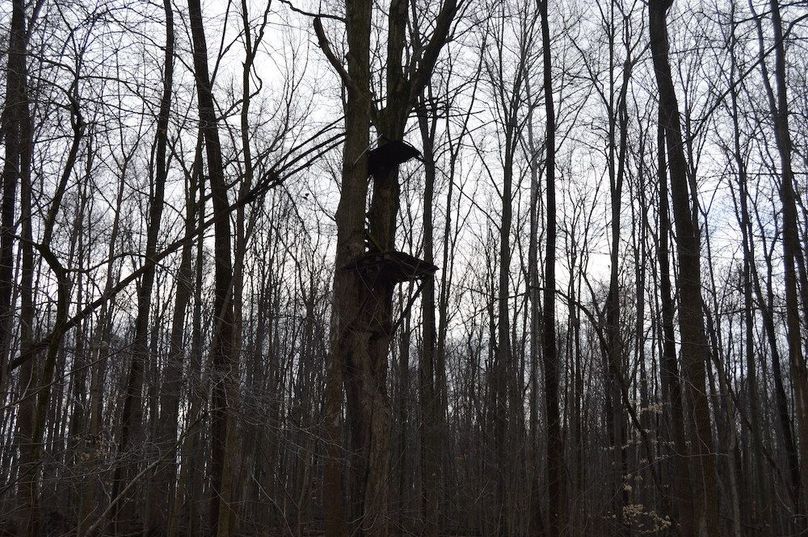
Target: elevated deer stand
<point>393,153</point>
<point>390,267</point>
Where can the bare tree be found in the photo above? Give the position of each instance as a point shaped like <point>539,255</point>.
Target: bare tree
<point>691,318</point>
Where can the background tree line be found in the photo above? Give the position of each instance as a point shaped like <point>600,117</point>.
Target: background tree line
<point>614,194</point>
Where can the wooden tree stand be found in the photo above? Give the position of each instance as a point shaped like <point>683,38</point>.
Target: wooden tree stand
<point>392,266</point>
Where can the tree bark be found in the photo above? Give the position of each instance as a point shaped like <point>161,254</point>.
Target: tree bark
<point>682,498</point>
<point>427,375</point>
<point>694,346</point>
<point>778,106</point>
<point>555,447</point>
<point>615,418</point>
<point>15,114</point>
<point>361,324</point>
<point>346,350</point>
<point>223,363</point>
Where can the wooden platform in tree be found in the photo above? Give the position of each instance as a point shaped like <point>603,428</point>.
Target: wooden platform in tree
<point>392,266</point>
<point>389,155</point>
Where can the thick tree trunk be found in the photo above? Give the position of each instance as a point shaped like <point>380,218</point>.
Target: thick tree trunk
<point>223,363</point>
<point>361,324</point>
<point>555,447</point>
<point>694,346</point>
<point>15,114</point>
<point>347,351</point>
<point>29,377</point>
<point>682,499</point>
<point>15,124</point>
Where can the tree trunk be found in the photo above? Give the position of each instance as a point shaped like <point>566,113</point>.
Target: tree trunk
<point>427,376</point>
<point>170,393</point>
<point>131,435</point>
<point>19,140</point>
<point>346,352</point>
<point>778,105</point>
<point>223,363</point>
<point>615,418</point>
<point>555,446</point>
<point>15,114</point>
<point>761,512</point>
<point>694,346</point>
<point>361,324</point>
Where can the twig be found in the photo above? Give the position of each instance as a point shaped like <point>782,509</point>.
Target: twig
<point>310,14</point>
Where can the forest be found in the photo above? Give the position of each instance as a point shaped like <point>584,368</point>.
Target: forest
<point>388,268</point>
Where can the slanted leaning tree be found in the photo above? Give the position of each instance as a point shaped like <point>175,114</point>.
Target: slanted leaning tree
<point>694,347</point>
<point>222,341</point>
